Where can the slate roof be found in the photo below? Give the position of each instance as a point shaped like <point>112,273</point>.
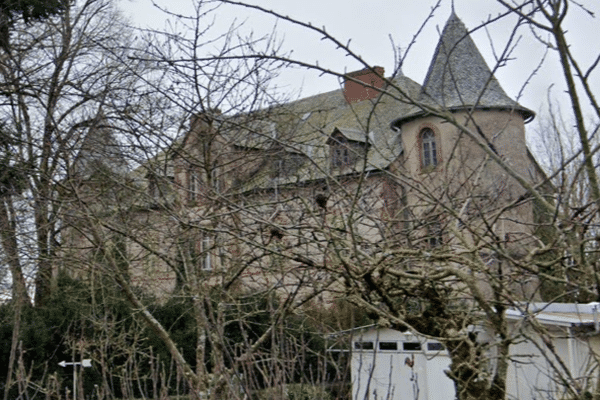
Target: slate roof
<point>99,149</point>
<point>304,126</point>
<point>459,78</point>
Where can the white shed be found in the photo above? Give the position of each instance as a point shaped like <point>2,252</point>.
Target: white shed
<point>391,365</point>
<point>537,370</point>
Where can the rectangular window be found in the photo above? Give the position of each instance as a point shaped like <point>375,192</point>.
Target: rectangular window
<point>278,168</point>
<point>435,234</point>
<point>363,345</point>
<point>390,346</point>
<point>200,251</point>
<point>193,184</point>
<point>216,180</point>
<point>205,254</point>
<point>153,191</point>
<point>435,346</point>
<point>341,156</point>
<point>426,154</point>
<point>428,149</point>
<point>345,156</point>
<point>411,346</point>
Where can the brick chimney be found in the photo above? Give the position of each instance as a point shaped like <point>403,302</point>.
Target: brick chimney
<point>355,91</point>
<point>202,122</point>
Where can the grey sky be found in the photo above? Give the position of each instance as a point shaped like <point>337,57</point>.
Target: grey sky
<point>370,24</point>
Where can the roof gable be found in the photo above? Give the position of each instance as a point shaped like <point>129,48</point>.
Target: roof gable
<point>351,135</point>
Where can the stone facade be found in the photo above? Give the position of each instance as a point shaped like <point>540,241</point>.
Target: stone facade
<point>336,180</point>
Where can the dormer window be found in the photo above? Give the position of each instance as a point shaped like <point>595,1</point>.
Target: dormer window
<point>429,156</point>
<point>347,147</point>
<point>340,156</point>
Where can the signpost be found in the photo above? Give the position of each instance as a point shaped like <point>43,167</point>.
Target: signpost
<point>84,363</point>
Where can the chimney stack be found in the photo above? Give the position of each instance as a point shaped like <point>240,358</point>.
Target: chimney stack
<point>202,122</point>
<point>373,80</point>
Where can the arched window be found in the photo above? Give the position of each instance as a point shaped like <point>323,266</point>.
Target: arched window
<point>428,149</point>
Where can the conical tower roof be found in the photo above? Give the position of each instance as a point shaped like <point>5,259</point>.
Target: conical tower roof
<point>459,78</point>
<point>99,150</point>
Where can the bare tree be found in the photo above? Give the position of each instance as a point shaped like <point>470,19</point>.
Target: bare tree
<point>58,76</point>
<point>138,228</point>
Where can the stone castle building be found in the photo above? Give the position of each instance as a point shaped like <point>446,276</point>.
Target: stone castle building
<point>339,180</point>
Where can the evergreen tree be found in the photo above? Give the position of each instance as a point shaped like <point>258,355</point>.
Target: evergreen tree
<point>26,10</point>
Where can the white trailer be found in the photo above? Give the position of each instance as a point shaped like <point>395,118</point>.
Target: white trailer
<point>391,365</point>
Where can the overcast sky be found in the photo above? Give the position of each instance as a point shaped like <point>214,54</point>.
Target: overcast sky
<point>371,24</point>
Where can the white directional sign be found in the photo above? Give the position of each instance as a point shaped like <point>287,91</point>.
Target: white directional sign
<point>84,363</point>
